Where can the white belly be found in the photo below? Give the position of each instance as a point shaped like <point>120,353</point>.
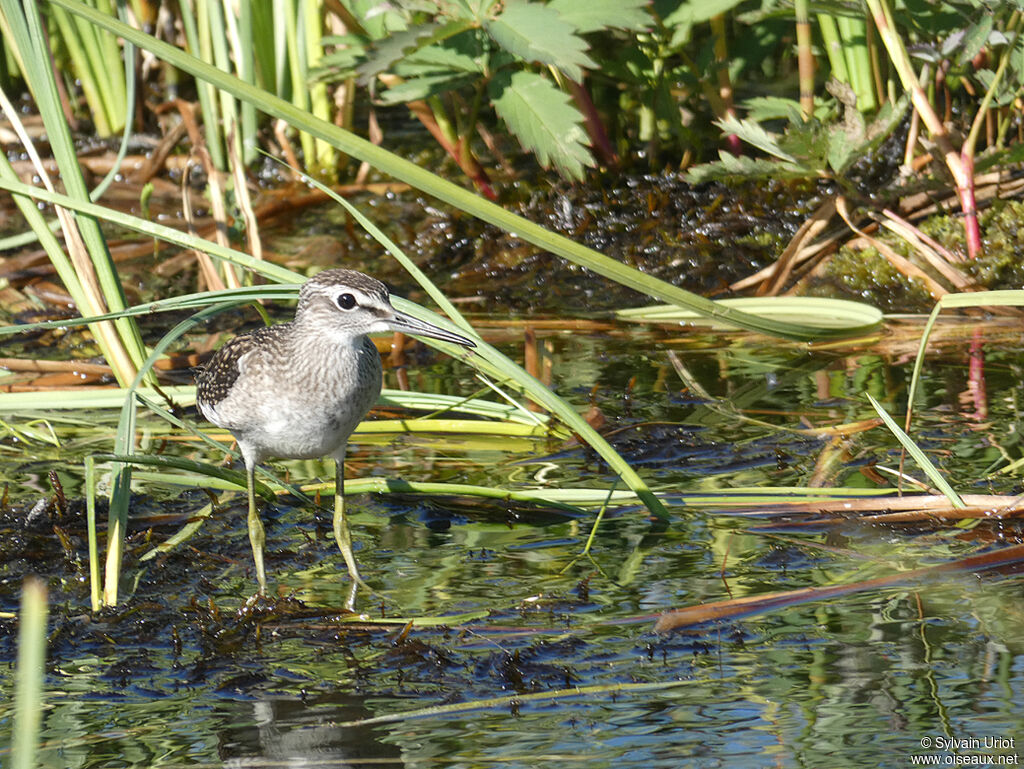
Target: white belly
<point>291,409</point>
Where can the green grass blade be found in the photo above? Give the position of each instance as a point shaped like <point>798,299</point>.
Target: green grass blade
<point>828,313</point>
<point>70,34</point>
<point>245,46</point>
<point>85,398</point>
<point>122,346</point>
<point>453,194</point>
<point>235,478</point>
<point>206,93</point>
<point>308,50</point>
<point>933,473</point>
<point>487,358</point>
<point>495,363</point>
<point>437,404</point>
<point>95,594</point>
<point>124,444</point>
<point>152,229</point>
<point>296,72</point>
<point>29,675</point>
<point>196,520</point>
<point>22,239</point>
<point>120,496</point>
<point>214,31</point>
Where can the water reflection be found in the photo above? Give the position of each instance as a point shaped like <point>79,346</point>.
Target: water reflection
<point>556,648</point>
<point>300,733</point>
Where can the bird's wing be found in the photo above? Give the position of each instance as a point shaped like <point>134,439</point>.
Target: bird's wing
<point>220,374</point>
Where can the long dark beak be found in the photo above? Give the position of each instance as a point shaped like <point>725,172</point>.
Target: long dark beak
<point>407,324</point>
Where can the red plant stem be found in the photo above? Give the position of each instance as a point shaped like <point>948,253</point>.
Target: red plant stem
<point>969,206</point>
<point>976,376</point>
<point>732,141</point>
<point>466,161</point>
<point>599,141</point>
<point>962,176</point>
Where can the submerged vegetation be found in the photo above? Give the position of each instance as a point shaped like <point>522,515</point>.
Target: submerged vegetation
<point>669,467</point>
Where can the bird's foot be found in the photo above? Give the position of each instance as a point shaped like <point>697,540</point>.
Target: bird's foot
<point>381,601</point>
<point>259,604</point>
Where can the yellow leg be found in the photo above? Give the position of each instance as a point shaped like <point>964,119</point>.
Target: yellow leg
<point>257,536</point>
<point>341,532</point>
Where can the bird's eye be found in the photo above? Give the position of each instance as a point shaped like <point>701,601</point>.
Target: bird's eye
<point>346,301</point>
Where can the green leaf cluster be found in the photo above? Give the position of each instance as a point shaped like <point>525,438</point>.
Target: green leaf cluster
<point>517,56</point>
<point>820,147</point>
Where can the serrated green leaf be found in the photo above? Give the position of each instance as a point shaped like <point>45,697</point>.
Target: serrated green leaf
<point>761,108</point>
<point>460,53</point>
<point>378,19</point>
<point>986,77</point>
<point>846,140</point>
<point>754,135</point>
<point>348,38</point>
<point>475,9</point>
<point>888,119</point>
<point>697,11</point>
<point>965,44</point>
<point>593,15</point>
<point>534,32</point>
<point>843,151</point>
<point>730,167</point>
<point>423,87</point>
<point>927,54</point>
<point>1005,91</point>
<point>389,50</point>
<point>344,55</point>
<point>808,143</point>
<point>543,119</point>
<point>417,6</point>
<point>338,66</point>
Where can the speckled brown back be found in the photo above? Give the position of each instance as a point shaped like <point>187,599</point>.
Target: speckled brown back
<point>218,376</point>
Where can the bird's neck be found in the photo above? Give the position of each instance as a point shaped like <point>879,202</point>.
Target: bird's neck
<point>307,333</point>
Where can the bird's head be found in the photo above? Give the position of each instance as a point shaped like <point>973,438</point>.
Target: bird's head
<point>349,304</point>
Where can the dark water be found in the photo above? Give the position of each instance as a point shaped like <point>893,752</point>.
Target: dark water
<point>548,658</point>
